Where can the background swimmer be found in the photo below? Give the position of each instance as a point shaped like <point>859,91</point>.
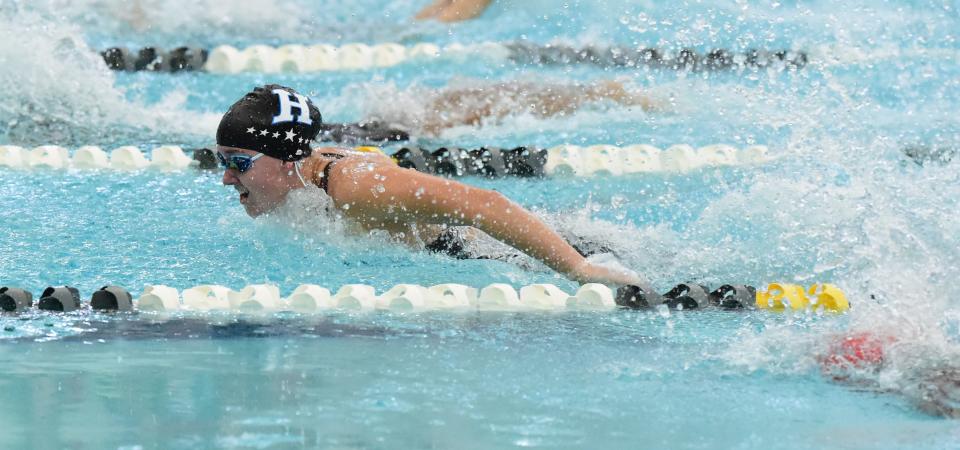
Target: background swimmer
<point>453,10</point>
<point>475,104</point>
<point>263,142</point>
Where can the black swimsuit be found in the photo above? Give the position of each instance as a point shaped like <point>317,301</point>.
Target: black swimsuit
<point>324,181</point>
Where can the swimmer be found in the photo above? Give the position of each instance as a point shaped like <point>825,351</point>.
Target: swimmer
<point>453,10</point>
<point>934,390</point>
<point>263,143</point>
<point>490,103</point>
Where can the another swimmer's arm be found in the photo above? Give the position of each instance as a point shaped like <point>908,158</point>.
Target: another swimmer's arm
<point>454,10</point>
<point>396,195</point>
<point>432,9</point>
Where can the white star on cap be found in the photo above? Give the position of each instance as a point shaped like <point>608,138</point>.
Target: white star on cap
<point>251,130</point>
<point>290,135</point>
<point>276,135</point>
<point>263,132</point>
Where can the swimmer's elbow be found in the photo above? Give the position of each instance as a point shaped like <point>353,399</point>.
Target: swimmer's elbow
<point>492,199</point>
<point>490,206</point>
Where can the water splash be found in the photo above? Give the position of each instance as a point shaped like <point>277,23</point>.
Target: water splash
<point>61,92</point>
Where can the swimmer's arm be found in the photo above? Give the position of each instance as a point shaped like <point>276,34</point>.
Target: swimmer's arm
<point>431,10</point>
<point>390,194</point>
<point>454,10</point>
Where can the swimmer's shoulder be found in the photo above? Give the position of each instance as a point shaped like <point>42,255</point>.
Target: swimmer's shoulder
<point>349,170</point>
<point>355,154</point>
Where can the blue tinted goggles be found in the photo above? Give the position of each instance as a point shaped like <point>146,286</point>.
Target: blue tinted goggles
<point>238,161</point>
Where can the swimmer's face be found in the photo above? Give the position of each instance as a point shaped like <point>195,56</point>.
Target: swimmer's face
<point>264,186</point>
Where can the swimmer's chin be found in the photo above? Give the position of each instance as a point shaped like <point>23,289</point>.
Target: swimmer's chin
<point>253,211</point>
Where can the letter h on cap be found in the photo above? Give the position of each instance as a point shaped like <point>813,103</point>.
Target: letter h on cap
<point>286,108</point>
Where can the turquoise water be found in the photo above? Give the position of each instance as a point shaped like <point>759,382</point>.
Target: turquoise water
<point>840,204</point>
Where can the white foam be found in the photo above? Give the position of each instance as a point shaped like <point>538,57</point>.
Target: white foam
<point>753,154</point>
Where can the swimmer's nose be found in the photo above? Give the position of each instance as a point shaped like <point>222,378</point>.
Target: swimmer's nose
<point>229,178</point>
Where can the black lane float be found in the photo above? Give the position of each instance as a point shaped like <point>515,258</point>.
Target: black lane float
<point>65,299</point>
<point>186,58</point>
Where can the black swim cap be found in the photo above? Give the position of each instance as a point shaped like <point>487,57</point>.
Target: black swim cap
<point>274,120</point>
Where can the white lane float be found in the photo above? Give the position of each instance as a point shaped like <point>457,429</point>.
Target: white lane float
<point>321,57</point>
<point>355,297</point>
<point>51,156</point>
<point>592,296</point>
<point>255,298</point>
<point>91,157</point>
<point>292,59</point>
<point>169,158</point>
<point>602,160</point>
<point>543,296</point>
<point>128,158</point>
<point>261,58</point>
<point>641,158</point>
<point>207,297</point>
<point>225,59</point>
<point>387,55</point>
<point>499,297</point>
<point>679,158</point>
<point>159,298</point>
<point>405,298</point>
<point>355,56</point>
<point>13,156</point>
<point>562,161</point>
<point>309,298</point>
<point>450,296</point>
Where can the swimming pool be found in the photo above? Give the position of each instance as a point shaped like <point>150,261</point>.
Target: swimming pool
<point>840,203</point>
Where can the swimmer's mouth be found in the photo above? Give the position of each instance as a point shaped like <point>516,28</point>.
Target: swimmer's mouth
<point>244,192</point>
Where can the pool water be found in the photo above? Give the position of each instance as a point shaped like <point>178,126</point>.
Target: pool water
<point>840,203</point>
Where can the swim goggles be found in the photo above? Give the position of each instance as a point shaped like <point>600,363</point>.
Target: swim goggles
<point>239,162</point>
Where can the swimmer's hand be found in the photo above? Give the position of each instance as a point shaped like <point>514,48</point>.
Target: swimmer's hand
<point>588,272</point>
